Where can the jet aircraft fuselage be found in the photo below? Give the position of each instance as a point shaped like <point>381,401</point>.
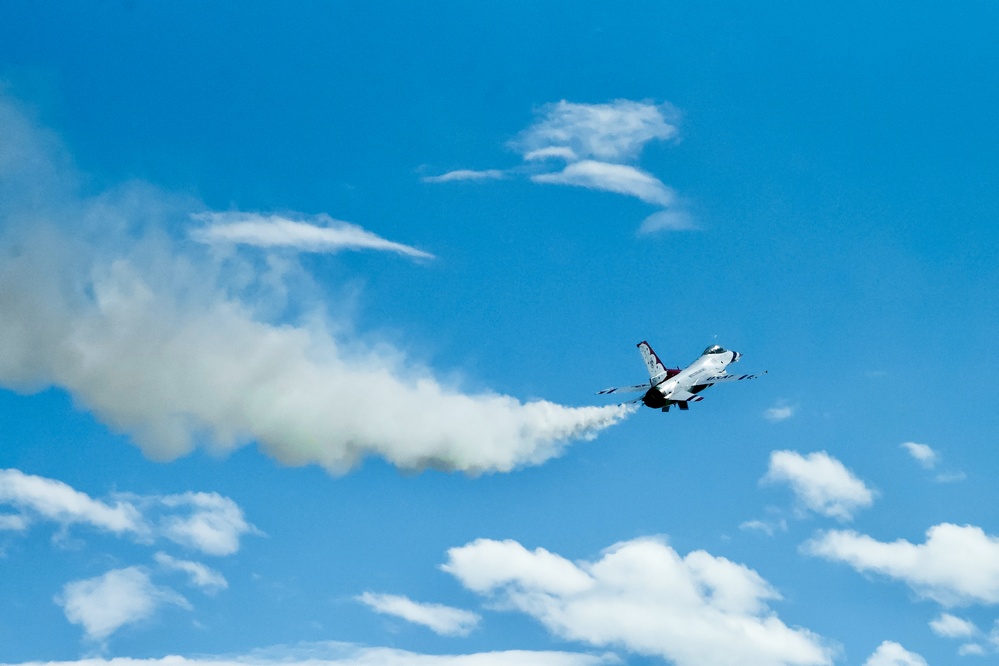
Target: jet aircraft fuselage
<point>675,386</point>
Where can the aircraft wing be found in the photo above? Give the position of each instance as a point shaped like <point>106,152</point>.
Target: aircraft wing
<point>721,379</point>
<point>625,389</point>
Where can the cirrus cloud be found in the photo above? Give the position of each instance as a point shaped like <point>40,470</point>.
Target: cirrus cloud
<point>320,234</point>
<point>597,144</point>
<point>440,619</point>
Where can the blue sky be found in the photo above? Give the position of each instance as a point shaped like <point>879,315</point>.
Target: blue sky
<point>303,310</point>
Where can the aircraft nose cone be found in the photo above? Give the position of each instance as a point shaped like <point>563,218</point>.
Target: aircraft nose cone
<point>736,356</point>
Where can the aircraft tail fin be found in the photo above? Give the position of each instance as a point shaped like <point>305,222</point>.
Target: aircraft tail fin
<point>657,371</point>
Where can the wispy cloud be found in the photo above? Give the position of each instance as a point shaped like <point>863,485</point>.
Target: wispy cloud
<point>641,594</point>
<point>779,412</point>
<point>619,178</point>
<point>443,620</point>
<point>320,234</point>
<point>929,459</point>
<point>104,604</point>
<point>951,626</point>
<point>922,454</point>
<point>820,483</point>
<point>206,522</point>
<point>466,174</point>
<point>346,654</point>
<point>167,343</point>
<point>957,564</point>
<point>54,500</point>
<point>203,577</point>
<point>767,527</point>
<point>614,132</point>
<point>597,145</point>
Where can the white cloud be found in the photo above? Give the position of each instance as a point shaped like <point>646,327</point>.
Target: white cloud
<point>59,502</point>
<point>950,477</point>
<point>344,654</point>
<point>104,604</point>
<point>207,522</point>
<point>779,412</point>
<point>767,527</point>
<point>671,219</point>
<point>321,234</point>
<point>211,523</point>
<point>207,579</point>
<point>820,482</point>
<point>443,620</point>
<point>166,342</point>
<point>642,595</point>
<point>611,132</point>
<point>950,626</point>
<point>971,649</point>
<point>552,153</point>
<point>596,142</point>
<point>619,178</point>
<point>13,522</point>
<point>466,174</point>
<point>922,453</point>
<point>890,653</point>
<point>958,564</point>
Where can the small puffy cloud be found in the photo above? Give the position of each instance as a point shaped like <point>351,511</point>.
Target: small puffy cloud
<point>642,595</point>
<point>957,564</point>
<point>104,604</point>
<point>613,132</point>
<point>466,174</point>
<point>207,579</point>
<point>345,654</point>
<point>950,626</point>
<point>971,649</point>
<point>56,501</point>
<point>922,453</point>
<point>618,178</point>
<point>321,234</point>
<point>779,412</point>
<point>890,653</point>
<point>443,620</point>
<point>820,483</point>
<point>207,522</point>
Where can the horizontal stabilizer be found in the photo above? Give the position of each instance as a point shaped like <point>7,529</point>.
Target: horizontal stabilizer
<point>625,389</point>
<point>679,395</point>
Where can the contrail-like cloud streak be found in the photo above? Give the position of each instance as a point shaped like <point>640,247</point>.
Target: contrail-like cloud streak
<point>108,298</point>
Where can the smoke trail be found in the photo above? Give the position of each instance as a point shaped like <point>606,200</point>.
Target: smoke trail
<point>168,343</point>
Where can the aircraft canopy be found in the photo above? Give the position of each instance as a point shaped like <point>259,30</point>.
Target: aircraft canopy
<point>714,349</point>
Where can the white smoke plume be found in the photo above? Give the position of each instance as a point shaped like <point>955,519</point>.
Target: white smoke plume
<point>108,298</point>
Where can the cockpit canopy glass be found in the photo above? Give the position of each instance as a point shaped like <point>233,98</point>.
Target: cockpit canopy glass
<point>714,349</point>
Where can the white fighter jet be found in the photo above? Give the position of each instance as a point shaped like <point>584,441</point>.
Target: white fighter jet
<point>673,386</point>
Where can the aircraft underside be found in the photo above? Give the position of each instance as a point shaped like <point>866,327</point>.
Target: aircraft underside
<point>655,399</point>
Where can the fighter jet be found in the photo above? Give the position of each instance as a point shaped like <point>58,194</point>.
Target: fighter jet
<point>672,386</point>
